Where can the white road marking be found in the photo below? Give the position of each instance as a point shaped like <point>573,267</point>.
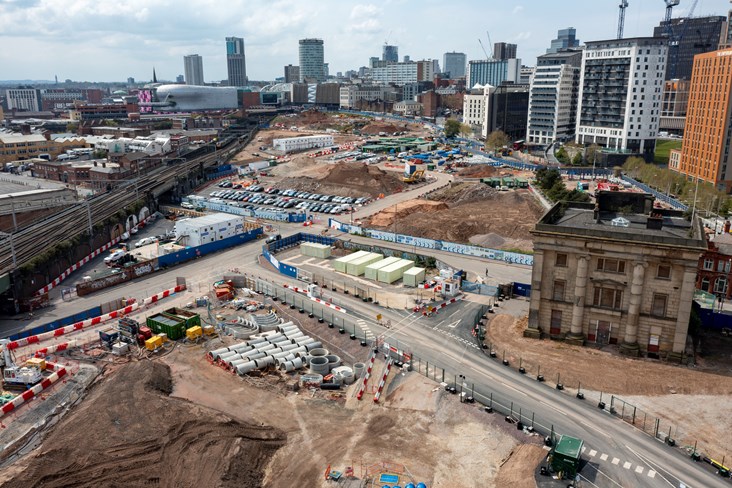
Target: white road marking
<point>454,324</point>
<point>639,469</point>
<point>616,461</point>
<point>592,453</point>
<point>647,463</point>
<point>603,457</point>
<point>584,448</point>
<point>651,473</point>
<point>626,465</point>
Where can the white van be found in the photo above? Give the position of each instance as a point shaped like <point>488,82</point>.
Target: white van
<point>187,205</point>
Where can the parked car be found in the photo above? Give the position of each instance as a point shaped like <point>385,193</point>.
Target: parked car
<point>145,241</point>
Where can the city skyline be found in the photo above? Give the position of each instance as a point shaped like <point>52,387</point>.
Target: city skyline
<point>126,40</point>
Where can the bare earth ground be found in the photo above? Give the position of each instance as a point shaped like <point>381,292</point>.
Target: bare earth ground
<point>467,213</point>
<point>694,402</point>
<point>515,472</point>
<point>129,432</point>
<point>348,179</point>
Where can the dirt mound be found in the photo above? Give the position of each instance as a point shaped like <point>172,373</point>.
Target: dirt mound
<point>128,432</point>
<point>478,171</point>
<point>514,471</point>
<point>375,128</point>
<point>464,192</point>
<point>400,212</point>
<point>350,179</point>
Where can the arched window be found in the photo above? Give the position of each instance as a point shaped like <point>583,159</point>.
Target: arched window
<point>720,285</point>
<point>705,284</point>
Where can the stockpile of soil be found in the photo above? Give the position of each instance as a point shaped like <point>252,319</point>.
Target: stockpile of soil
<point>468,213</point>
<point>349,179</point>
<point>375,128</point>
<point>478,171</point>
<point>129,432</point>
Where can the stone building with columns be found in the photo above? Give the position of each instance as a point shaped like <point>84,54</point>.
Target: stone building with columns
<point>620,271</point>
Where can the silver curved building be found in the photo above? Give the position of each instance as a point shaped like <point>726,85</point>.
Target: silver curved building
<point>186,98</point>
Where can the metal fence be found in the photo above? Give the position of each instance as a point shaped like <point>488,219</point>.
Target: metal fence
<point>660,196</point>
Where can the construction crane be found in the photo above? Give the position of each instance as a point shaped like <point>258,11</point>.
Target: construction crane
<point>670,4</point>
<point>621,17</point>
<point>675,39</point>
<point>483,48</point>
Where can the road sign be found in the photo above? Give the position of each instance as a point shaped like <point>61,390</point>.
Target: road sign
<point>378,316</point>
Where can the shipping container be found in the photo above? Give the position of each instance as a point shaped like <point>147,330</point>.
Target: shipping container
<point>39,363</point>
<point>371,271</point>
<point>357,267</point>
<point>145,332</point>
<point>174,328</point>
<point>413,276</point>
<point>315,250</point>
<point>191,319</point>
<point>394,272</point>
<point>340,263</point>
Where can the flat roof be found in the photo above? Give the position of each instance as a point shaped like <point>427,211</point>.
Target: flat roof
<point>212,219</point>
<point>401,264</point>
<point>367,257</point>
<point>569,446</point>
<point>414,271</point>
<point>383,263</point>
<point>355,255</point>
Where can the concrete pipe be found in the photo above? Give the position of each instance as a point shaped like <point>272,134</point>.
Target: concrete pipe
<point>279,340</point>
<point>253,356</point>
<point>264,362</point>
<point>304,355</point>
<point>289,347</point>
<point>344,373</point>
<point>286,326</point>
<point>273,337</point>
<point>287,367</point>
<point>245,368</point>
<point>333,361</point>
<point>297,362</point>
<point>243,349</point>
<point>227,355</point>
<point>358,369</point>
<point>317,351</point>
<point>301,341</point>
<point>289,357</point>
<point>297,350</point>
<point>265,347</point>
<point>294,335</point>
<point>268,327</point>
<point>312,346</point>
<point>280,354</point>
<point>256,340</point>
<point>319,365</point>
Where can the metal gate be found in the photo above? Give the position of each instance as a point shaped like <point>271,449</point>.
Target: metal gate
<point>603,332</point>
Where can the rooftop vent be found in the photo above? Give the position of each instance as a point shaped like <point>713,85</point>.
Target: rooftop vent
<point>620,222</point>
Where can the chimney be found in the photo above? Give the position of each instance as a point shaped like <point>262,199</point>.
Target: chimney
<point>95,163</point>
<point>104,164</point>
<point>726,226</point>
<point>25,129</point>
<point>655,221</point>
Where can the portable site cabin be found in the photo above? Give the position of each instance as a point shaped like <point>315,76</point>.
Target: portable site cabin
<point>315,250</point>
<point>394,272</point>
<point>371,271</point>
<point>340,263</point>
<point>565,456</point>
<point>357,267</point>
<point>413,276</point>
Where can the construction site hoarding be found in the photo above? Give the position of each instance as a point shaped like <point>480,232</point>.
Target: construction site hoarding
<point>394,272</point>
<point>371,271</point>
<point>357,267</point>
<point>413,276</point>
<point>315,250</point>
<point>340,263</point>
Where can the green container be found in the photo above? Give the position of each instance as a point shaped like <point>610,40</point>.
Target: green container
<point>191,319</point>
<point>340,263</point>
<point>174,328</point>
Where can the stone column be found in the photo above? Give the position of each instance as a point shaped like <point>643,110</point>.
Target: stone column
<point>578,309</point>
<point>630,340</point>
<point>536,271</point>
<point>682,321</point>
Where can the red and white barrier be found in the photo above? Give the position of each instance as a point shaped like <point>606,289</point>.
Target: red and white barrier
<point>382,383</point>
<point>55,348</point>
<point>329,305</point>
<point>59,372</point>
<point>367,375</point>
<point>84,324</point>
<point>76,266</point>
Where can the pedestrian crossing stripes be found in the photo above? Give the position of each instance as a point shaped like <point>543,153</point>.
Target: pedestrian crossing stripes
<point>365,328</point>
<point>616,461</point>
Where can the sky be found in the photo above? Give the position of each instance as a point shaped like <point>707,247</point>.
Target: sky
<point>111,40</point>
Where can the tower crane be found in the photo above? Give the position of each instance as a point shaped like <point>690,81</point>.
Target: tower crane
<point>483,48</point>
<point>670,4</point>
<point>675,38</point>
<point>621,17</point>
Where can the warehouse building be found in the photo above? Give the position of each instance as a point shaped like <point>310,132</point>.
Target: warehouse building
<point>621,272</point>
<point>293,144</point>
<point>209,228</point>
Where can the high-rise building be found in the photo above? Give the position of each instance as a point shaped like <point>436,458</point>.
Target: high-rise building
<point>553,97</point>
<point>180,79</point>
<point>25,99</point>
<point>454,64</point>
<point>673,106</point>
<point>292,74</point>
<point>726,39</point>
<point>691,36</point>
<point>193,69</point>
<point>130,81</point>
<point>566,39</point>
<point>503,50</point>
<point>705,153</point>
<point>311,60</point>
<point>390,54</point>
<point>326,71</point>
<point>402,73</point>
<point>621,86</point>
<point>236,62</point>
<point>525,74</point>
<point>494,71</point>
<point>487,109</point>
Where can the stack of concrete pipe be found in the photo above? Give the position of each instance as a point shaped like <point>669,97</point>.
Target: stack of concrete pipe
<point>343,375</point>
<point>314,351</point>
<point>266,322</point>
<point>284,347</point>
<point>333,361</point>
<point>242,329</point>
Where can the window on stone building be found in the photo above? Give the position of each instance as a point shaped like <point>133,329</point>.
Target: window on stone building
<point>720,285</point>
<point>611,265</point>
<point>559,286</point>
<point>658,307</point>
<point>607,298</point>
<point>708,264</point>
<point>664,271</point>
<point>561,260</point>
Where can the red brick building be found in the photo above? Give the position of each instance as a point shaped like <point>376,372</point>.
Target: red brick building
<point>714,272</point>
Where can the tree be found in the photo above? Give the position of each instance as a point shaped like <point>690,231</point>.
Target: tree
<point>591,153</point>
<point>548,178</point>
<point>562,155</point>
<point>466,130</point>
<point>577,159</point>
<point>452,128</point>
<point>496,140</point>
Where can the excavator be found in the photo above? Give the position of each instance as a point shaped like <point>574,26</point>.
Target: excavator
<point>416,176</point>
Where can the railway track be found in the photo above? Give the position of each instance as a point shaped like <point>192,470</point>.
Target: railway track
<point>32,240</point>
